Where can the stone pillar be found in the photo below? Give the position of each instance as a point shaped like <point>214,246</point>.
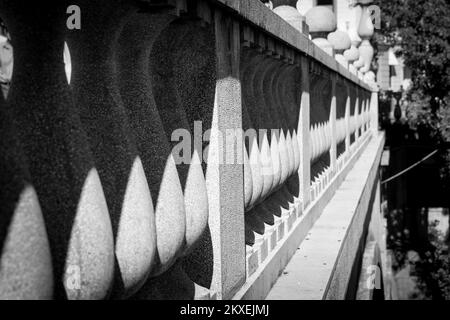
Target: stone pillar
<point>94,51</point>
<point>304,134</point>
<point>321,22</point>
<point>225,181</point>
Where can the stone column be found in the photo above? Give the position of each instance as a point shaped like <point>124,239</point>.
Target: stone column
<point>225,181</point>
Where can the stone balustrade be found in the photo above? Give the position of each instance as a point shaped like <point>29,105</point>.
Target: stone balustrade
<point>99,199</point>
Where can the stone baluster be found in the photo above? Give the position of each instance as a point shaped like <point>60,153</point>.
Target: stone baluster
<point>367,116</point>
<point>187,51</point>
<point>26,270</point>
<point>248,181</point>
<point>322,99</point>
<point>323,138</point>
<point>280,157</point>
<point>224,182</point>
<point>321,22</point>
<point>273,120</point>
<point>256,107</point>
<point>60,161</point>
<point>94,50</point>
<point>259,179</point>
<point>285,93</point>
<point>144,83</point>
<point>364,115</point>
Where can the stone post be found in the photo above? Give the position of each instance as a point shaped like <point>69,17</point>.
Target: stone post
<point>304,134</point>
<point>225,181</point>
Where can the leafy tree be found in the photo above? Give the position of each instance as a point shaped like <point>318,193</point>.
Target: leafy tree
<point>421,30</point>
<point>433,269</point>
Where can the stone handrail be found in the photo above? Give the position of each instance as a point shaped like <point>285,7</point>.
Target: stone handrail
<point>98,198</point>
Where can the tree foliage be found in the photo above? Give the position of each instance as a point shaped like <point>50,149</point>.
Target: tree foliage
<point>421,31</point>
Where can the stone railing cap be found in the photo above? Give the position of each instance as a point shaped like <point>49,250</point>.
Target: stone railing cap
<point>260,16</point>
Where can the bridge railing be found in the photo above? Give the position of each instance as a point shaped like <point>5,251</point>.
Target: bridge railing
<point>128,177</point>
